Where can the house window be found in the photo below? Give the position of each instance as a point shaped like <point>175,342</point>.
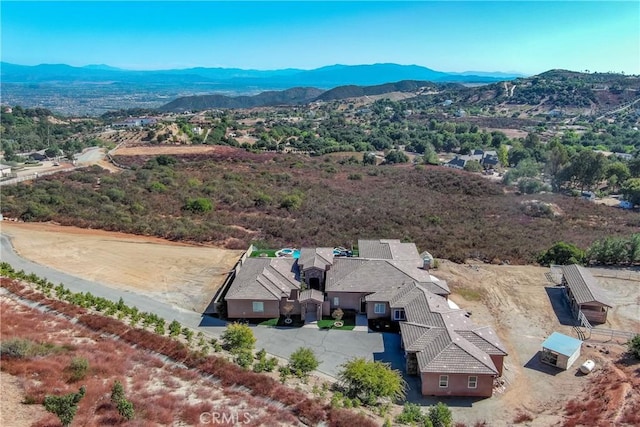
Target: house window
<point>444,381</point>
<point>473,382</point>
<point>379,308</point>
<point>399,315</point>
<point>258,307</point>
<point>336,301</point>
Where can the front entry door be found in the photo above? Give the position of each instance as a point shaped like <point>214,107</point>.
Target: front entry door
<point>363,305</point>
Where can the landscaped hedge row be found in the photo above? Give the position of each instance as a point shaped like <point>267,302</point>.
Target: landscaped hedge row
<point>310,411</point>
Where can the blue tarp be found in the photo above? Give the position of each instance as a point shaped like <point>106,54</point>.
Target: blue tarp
<point>562,344</point>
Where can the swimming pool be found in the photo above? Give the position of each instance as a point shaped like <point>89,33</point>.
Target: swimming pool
<point>288,253</point>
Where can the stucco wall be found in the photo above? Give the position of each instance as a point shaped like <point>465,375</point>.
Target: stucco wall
<point>348,300</point>
<point>295,304</point>
<point>499,362</point>
<point>371,314</point>
<point>243,309</point>
<point>458,385</point>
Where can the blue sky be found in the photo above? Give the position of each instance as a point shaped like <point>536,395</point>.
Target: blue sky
<point>527,37</point>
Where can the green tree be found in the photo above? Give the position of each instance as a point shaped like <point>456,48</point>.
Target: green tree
<point>440,415</point>
<point>371,380</point>
<point>562,253</point>
<point>117,392</point>
<point>64,407</point>
<point>238,337</point>
<point>303,361</point>
<point>473,166</point>
<point>634,346</point>
<point>631,190</point>
<point>125,409</point>
<point>503,155</point>
<point>395,156</point>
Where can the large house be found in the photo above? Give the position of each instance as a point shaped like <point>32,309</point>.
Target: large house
<point>388,280</point>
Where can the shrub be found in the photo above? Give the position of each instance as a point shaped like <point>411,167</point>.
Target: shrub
<point>174,328</point>
<point>64,407</point>
<point>371,380</point>
<point>634,346</point>
<point>199,205</point>
<point>125,409</point>
<point>238,337</point>
<point>303,361</point>
<point>244,357</point>
<point>78,368</point>
<point>440,415</point>
<point>117,392</point>
<point>21,348</point>
<point>411,413</point>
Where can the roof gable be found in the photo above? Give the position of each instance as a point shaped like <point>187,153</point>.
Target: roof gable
<point>264,279</point>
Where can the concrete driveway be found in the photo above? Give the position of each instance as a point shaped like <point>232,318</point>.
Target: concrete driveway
<point>332,347</point>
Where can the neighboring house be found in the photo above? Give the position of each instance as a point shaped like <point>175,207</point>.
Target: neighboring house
<point>389,280</point>
<point>488,159</point>
<point>584,293</point>
<point>5,170</point>
<point>136,122</point>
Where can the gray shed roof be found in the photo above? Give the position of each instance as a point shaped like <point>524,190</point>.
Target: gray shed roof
<point>583,285</point>
<point>265,279</point>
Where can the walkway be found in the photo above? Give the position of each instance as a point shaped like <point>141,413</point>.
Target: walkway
<point>333,348</point>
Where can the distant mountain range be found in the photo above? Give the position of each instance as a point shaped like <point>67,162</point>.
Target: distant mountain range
<point>325,77</point>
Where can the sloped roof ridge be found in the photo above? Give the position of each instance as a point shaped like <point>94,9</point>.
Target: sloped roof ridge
<point>267,284</point>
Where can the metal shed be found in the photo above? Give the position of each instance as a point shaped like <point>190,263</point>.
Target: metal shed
<point>560,350</point>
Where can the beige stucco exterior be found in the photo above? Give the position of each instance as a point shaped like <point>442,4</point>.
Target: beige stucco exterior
<point>346,300</point>
<point>458,385</point>
<point>243,309</point>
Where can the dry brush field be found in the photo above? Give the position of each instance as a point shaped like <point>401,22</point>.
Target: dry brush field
<point>284,200</point>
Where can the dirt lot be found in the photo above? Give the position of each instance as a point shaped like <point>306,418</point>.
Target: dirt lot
<point>166,149</point>
<point>516,301</point>
<point>185,275</point>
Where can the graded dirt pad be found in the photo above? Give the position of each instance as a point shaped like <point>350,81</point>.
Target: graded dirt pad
<point>181,274</point>
<point>516,301</point>
<point>156,150</point>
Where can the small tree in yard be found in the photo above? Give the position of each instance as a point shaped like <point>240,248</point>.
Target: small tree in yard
<point>238,337</point>
<point>634,346</point>
<point>287,309</point>
<point>337,314</point>
<point>371,381</point>
<point>303,361</point>
<point>64,407</point>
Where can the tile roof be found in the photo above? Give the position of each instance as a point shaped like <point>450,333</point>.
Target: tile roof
<point>388,249</point>
<point>444,339</point>
<point>364,275</point>
<point>311,294</point>
<point>265,279</point>
<point>583,285</point>
<point>315,257</point>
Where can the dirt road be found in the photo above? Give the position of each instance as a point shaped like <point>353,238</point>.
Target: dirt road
<point>176,273</point>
